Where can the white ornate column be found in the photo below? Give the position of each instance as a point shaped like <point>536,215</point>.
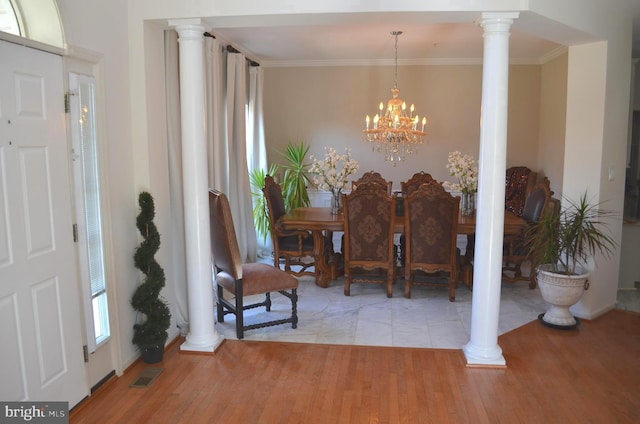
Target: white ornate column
<point>202,335</point>
<point>483,349</point>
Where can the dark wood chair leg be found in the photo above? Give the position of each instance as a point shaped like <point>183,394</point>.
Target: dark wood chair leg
<point>219,305</point>
<point>239,311</point>
<point>294,308</point>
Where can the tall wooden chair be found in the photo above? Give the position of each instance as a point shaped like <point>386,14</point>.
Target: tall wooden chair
<point>408,187</point>
<point>373,177</point>
<point>431,231</point>
<point>369,257</point>
<point>243,279</point>
<point>294,246</point>
<point>413,183</point>
<point>519,183</point>
<point>515,252</point>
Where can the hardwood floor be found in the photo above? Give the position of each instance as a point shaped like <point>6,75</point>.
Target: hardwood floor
<point>591,375</point>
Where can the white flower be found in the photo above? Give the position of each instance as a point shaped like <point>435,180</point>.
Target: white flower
<point>464,168</point>
<point>333,172</point>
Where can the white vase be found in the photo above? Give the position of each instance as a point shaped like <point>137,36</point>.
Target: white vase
<point>561,292</point>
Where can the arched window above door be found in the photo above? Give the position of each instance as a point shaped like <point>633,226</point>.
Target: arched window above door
<point>35,20</point>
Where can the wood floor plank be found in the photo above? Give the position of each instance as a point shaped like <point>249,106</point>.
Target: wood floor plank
<point>587,375</point>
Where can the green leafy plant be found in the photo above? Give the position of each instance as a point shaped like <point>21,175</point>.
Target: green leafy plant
<point>296,176</point>
<point>570,236</point>
<point>260,212</point>
<point>151,333</point>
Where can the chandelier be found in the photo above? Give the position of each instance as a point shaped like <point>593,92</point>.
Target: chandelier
<point>394,130</point>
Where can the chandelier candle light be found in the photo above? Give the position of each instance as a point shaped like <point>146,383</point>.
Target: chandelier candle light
<point>395,131</point>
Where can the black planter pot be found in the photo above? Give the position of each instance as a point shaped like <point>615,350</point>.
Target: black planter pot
<point>152,356</point>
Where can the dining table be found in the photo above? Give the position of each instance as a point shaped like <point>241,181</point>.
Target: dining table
<point>322,223</point>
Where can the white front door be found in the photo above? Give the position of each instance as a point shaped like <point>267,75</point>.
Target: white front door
<point>40,319</point>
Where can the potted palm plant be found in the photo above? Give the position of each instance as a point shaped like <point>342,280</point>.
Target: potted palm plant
<point>296,176</point>
<point>260,212</point>
<point>563,242</point>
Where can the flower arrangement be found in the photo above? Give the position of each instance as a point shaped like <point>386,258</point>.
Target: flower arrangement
<point>332,173</point>
<point>465,169</point>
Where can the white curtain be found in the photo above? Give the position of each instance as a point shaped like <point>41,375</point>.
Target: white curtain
<point>174,146</point>
<point>257,154</point>
<point>257,151</point>
<point>240,184</point>
<point>215,74</point>
<point>226,95</point>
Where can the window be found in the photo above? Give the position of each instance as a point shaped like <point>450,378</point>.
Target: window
<point>10,18</point>
<point>89,226</point>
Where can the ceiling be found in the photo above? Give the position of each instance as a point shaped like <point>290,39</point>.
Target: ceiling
<point>361,39</point>
<point>373,43</point>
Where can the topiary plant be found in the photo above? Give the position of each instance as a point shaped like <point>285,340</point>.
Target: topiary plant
<point>149,335</point>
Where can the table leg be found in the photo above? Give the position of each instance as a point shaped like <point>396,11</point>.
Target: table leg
<point>323,269</point>
<point>467,267</point>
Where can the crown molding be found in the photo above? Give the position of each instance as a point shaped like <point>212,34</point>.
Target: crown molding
<point>411,62</point>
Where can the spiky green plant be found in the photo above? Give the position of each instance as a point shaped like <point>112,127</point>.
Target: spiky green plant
<point>260,211</point>
<point>152,332</point>
<point>571,236</point>
<point>296,176</point>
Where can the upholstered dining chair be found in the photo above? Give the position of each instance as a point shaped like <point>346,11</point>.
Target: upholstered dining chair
<point>369,213</point>
<point>519,183</point>
<point>431,231</point>
<point>243,279</point>
<point>515,251</point>
<point>413,183</point>
<point>294,246</point>
<point>408,187</point>
<point>373,177</point>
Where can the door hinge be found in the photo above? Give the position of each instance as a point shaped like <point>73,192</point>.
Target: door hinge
<point>75,233</point>
<point>85,353</point>
<point>67,101</point>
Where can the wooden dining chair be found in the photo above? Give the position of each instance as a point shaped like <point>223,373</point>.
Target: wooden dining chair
<point>369,213</point>
<point>431,231</point>
<point>515,251</point>
<point>373,177</point>
<point>294,246</point>
<point>408,187</point>
<point>413,183</point>
<point>243,279</point>
<point>519,183</point>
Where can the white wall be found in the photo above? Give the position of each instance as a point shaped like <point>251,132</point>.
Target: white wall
<point>553,105</point>
<point>326,106</point>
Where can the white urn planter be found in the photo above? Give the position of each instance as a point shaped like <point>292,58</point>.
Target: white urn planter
<point>561,291</point>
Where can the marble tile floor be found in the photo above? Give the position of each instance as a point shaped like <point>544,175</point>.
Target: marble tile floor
<point>368,317</point>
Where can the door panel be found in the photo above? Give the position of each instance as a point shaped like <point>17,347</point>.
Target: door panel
<point>35,178</point>
<point>14,384</point>
<point>39,293</point>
